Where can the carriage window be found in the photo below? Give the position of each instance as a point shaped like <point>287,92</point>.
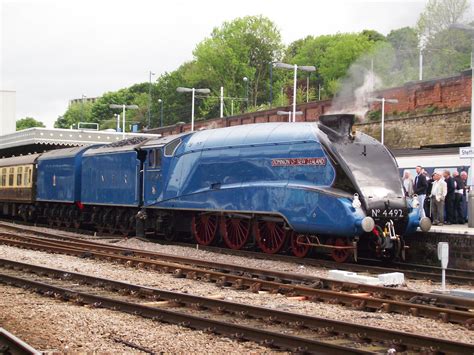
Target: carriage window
<point>11,175</point>
<point>26,176</point>
<point>19,175</point>
<point>171,147</point>
<point>3,177</point>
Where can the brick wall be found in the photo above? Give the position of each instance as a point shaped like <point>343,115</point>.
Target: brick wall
<point>450,97</point>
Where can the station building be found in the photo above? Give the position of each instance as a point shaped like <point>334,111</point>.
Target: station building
<point>37,140</point>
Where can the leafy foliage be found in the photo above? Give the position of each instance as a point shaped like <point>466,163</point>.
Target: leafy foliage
<point>439,15</point>
<point>76,112</point>
<point>332,54</point>
<point>248,47</point>
<point>28,122</point>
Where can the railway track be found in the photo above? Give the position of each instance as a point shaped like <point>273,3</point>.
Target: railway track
<point>361,297</point>
<point>270,327</point>
<point>414,271</point>
<point>11,345</point>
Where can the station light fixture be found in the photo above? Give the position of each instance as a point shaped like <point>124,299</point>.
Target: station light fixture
<point>288,113</point>
<point>383,100</point>
<point>124,107</point>
<point>295,67</point>
<point>204,91</point>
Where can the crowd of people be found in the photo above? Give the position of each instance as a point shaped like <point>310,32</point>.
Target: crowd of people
<point>443,195</point>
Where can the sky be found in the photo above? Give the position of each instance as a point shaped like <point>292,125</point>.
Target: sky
<point>53,51</point>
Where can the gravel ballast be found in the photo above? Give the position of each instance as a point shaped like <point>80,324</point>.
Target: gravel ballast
<point>414,285</point>
<point>154,279</point>
<point>54,326</point>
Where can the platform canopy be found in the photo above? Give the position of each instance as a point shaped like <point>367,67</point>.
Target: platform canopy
<point>37,140</point>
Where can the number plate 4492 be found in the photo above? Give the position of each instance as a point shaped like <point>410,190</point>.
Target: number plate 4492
<point>387,213</point>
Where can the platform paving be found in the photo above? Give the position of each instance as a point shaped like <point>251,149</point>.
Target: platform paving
<point>452,229</point>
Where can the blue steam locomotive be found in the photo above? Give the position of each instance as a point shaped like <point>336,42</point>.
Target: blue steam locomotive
<point>275,186</point>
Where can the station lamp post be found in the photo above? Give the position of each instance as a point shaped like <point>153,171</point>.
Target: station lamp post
<point>193,91</point>
<point>160,101</point>
<point>124,107</point>
<point>149,99</point>
<point>246,81</point>
<point>288,113</point>
<point>82,107</point>
<point>470,31</point>
<point>117,117</point>
<point>383,100</point>
<point>295,67</point>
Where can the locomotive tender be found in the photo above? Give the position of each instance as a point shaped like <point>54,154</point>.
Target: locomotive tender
<point>279,186</point>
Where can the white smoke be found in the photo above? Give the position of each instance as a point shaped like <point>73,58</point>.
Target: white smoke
<point>355,90</point>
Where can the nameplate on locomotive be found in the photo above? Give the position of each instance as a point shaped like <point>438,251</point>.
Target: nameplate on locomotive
<point>298,161</point>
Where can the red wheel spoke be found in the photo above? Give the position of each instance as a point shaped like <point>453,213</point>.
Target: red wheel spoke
<point>298,249</point>
<point>235,231</point>
<point>341,255</point>
<point>204,228</point>
<point>270,236</point>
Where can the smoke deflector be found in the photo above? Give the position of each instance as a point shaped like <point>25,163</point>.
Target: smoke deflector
<point>340,124</point>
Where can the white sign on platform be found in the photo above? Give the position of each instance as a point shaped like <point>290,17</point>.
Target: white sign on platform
<point>466,152</point>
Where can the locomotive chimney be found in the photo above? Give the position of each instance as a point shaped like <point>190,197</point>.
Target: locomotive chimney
<point>338,123</point>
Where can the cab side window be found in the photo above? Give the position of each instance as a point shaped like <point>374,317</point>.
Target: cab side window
<point>151,158</point>
<point>154,160</point>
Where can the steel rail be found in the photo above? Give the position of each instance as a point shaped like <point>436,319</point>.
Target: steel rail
<point>242,282</point>
<point>269,315</point>
<point>416,271</point>
<point>282,277</point>
<point>265,337</point>
<point>10,344</point>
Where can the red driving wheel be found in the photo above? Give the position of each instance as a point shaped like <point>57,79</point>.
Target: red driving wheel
<point>235,231</point>
<point>270,236</point>
<point>204,228</point>
<point>297,248</point>
<point>341,255</point>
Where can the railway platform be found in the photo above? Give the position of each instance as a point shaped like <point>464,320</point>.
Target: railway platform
<point>454,229</point>
<point>424,245</point>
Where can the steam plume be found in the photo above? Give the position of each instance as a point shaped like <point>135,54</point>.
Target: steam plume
<point>355,90</point>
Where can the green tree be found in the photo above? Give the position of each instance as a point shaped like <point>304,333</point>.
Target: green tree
<point>332,55</point>
<point>134,95</point>
<point>244,47</point>
<point>76,112</point>
<point>446,50</point>
<point>28,122</point>
<point>438,15</point>
<point>405,43</point>
<point>176,106</point>
<point>447,53</point>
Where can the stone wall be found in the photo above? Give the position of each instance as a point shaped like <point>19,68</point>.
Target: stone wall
<point>446,127</point>
<point>424,249</point>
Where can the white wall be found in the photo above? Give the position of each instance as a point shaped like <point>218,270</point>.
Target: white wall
<point>7,112</point>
